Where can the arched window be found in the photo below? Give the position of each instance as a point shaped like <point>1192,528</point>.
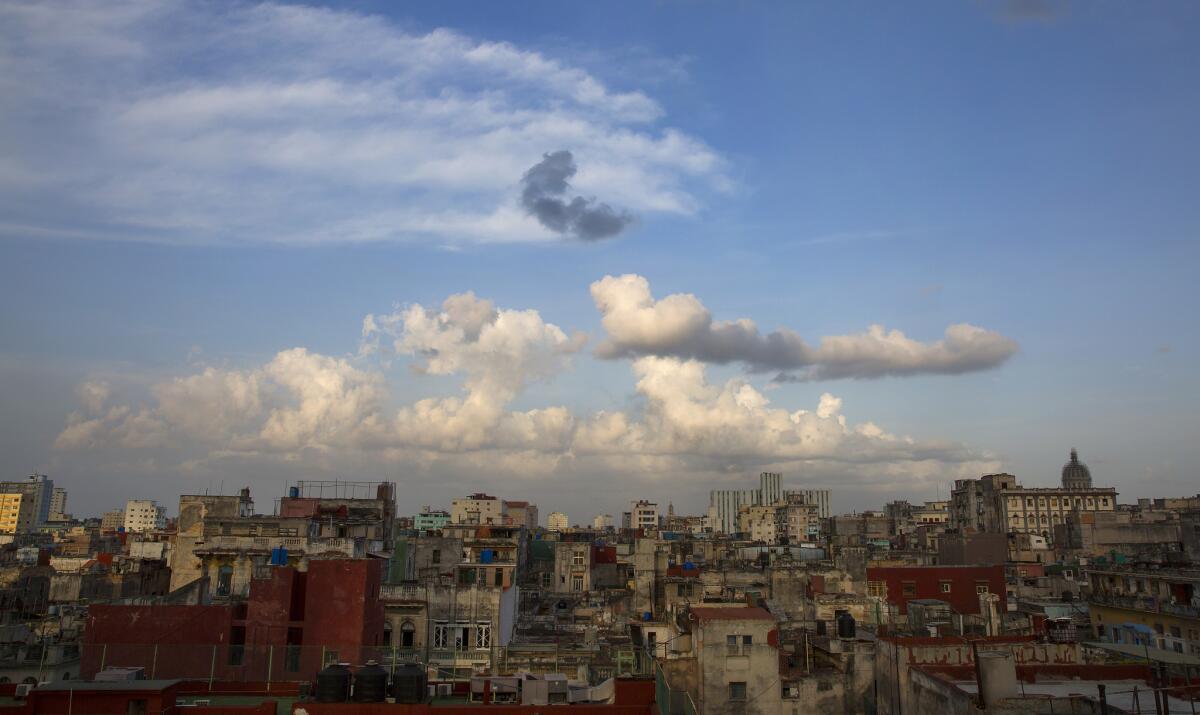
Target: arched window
<point>408,635</point>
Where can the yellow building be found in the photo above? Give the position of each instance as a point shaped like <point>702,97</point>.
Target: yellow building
<point>1165,601</point>
<point>16,513</point>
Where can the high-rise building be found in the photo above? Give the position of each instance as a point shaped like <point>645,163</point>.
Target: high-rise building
<point>16,514</point>
<point>770,488</point>
<point>724,505</point>
<point>144,515</point>
<point>817,497</point>
<point>58,504</point>
<point>38,490</point>
<point>557,521</point>
<point>602,521</point>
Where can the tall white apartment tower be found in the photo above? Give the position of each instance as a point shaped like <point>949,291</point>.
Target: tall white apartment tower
<point>770,488</point>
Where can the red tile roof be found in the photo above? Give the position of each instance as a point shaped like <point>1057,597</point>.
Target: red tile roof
<point>731,613</point>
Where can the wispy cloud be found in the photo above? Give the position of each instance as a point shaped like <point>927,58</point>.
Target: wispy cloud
<point>193,122</point>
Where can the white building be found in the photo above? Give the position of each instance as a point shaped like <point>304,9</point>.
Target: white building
<point>58,505</point>
<point>144,515</point>
<point>817,497</point>
<point>557,521</point>
<point>724,505</point>
<point>602,521</point>
<point>643,515</point>
<point>478,509</point>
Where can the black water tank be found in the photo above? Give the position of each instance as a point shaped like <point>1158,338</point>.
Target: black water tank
<point>845,625</point>
<point>333,684</point>
<point>370,684</point>
<point>408,684</point>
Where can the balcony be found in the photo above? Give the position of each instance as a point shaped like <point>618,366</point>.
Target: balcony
<point>1145,603</point>
<point>401,592</point>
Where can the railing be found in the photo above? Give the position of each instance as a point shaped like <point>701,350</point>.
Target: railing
<point>401,592</point>
<point>1147,603</point>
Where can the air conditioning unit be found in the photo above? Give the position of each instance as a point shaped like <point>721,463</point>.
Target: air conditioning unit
<point>23,689</point>
<point>445,690</point>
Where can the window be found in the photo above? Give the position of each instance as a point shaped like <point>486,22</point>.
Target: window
<point>577,559</point>
<point>909,588</point>
<point>731,645</point>
<point>737,692</point>
<point>945,587</point>
<point>981,588</point>
<point>747,641</point>
<point>436,556</point>
<point>499,577</point>
<point>878,589</point>
<point>577,584</point>
<point>408,635</point>
<point>441,633</point>
<point>483,635</point>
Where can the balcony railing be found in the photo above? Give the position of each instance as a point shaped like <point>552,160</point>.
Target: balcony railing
<point>1149,604</point>
<point>401,592</point>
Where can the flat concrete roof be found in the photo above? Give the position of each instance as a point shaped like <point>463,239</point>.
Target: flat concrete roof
<point>1118,693</point>
<point>118,685</point>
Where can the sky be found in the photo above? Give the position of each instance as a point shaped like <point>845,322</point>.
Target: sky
<point>586,253</point>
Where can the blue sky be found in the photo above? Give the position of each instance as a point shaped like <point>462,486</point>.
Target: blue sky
<point>190,191</point>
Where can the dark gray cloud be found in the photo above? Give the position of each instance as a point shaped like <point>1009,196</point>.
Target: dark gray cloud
<point>544,195</point>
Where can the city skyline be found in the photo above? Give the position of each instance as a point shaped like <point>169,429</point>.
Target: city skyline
<point>571,256</point>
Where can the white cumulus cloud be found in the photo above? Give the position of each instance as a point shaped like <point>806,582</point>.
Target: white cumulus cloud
<point>303,405</point>
<point>681,326</point>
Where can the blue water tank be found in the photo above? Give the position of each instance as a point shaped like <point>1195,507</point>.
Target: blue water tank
<point>485,556</point>
<point>282,556</point>
<point>293,492</point>
<point>647,615</point>
<point>689,566</point>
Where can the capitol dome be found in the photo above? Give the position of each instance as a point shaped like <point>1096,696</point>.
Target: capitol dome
<point>1075,474</point>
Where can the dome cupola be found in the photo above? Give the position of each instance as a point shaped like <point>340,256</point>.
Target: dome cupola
<point>1075,474</point>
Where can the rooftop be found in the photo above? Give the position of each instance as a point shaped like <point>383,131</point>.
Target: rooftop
<point>731,613</point>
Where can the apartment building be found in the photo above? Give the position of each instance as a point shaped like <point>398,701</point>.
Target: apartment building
<point>16,514</point>
<point>143,515</point>
<point>1155,607</point>
<point>38,491</point>
<point>557,521</point>
<point>479,509</point>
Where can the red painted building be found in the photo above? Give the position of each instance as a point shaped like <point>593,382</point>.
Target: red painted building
<point>282,631</point>
<point>960,586</point>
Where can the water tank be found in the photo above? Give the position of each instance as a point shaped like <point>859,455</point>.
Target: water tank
<point>845,626</point>
<point>333,684</point>
<point>370,683</point>
<point>293,492</point>
<point>998,673</point>
<point>409,684</point>
<point>689,566</point>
